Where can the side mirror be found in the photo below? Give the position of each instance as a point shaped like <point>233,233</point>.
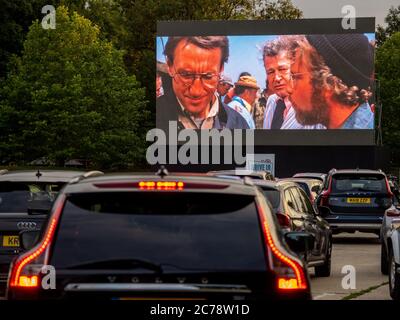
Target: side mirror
<point>29,238</point>
<point>324,211</point>
<point>316,189</point>
<point>300,242</point>
<point>40,203</point>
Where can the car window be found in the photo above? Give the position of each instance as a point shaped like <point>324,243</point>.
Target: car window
<point>208,231</point>
<point>306,202</point>
<point>304,186</point>
<point>290,197</point>
<point>273,196</point>
<point>16,196</point>
<point>358,182</point>
<point>300,204</point>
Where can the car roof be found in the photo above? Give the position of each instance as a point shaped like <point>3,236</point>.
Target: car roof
<point>274,184</point>
<point>239,173</point>
<point>231,186</point>
<point>360,171</point>
<point>39,175</point>
<point>309,174</point>
<point>302,179</point>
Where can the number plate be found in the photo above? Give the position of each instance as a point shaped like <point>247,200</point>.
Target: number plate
<point>10,241</point>
<point>358,200</point>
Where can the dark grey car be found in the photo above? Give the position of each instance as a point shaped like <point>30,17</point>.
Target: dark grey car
<point>295,212</point>
<point>20,192</point>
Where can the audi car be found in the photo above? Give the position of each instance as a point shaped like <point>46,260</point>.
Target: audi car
<point>134,237</point>
<point>25,199</point>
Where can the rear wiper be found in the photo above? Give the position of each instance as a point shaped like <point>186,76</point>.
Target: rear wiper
<point>119,264</point>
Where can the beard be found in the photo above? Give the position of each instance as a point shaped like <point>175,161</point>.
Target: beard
<point>318,114</point>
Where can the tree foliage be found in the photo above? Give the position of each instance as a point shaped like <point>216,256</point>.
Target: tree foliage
<point>388,74</point>
<point>393,25</point>
<point>69,96</point>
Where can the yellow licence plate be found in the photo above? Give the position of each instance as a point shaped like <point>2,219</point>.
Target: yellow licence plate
<point>10,241</point>
<point>358,200</point>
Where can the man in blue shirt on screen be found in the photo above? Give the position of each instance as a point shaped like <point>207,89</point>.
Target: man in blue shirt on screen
<point>332,77</point>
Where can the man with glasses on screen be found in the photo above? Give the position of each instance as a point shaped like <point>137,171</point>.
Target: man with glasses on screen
<point>195,65</point>
<point>279,113</point>
<point>332,75</point>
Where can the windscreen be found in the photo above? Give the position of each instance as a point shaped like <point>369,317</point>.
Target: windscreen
<point>189,231</point>
<point>359,182</point>
<point>273,196</point>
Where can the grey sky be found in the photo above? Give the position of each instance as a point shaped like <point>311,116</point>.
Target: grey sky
<point>333,8</point>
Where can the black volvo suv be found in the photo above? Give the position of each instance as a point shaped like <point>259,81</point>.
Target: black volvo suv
<point>355,200</point>
<point>167,236</point>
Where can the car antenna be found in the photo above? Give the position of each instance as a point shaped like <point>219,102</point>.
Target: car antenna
<point>162,172</point>
<point>38,174</point>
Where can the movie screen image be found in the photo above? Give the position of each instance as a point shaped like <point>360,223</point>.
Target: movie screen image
<point>268,82</point>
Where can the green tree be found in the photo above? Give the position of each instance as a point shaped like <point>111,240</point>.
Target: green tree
<point>69,96</point>
<point>131,25</point>
<point>388,75</point>
<point>393,25</point>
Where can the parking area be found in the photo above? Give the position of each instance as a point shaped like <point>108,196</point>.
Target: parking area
<point>361,251</point>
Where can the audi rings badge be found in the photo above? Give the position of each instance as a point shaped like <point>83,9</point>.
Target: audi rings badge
<point>27,225</point>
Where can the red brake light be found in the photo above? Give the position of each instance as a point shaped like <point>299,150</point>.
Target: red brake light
<point>388,188</point>
<point>284,281</point>
<point>283,219</point>
<point>159,185</point>
<point>325,195</point>
<point>392,213</point>
<point>16,277</point>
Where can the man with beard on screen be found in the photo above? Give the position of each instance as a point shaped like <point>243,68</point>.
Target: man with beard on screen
<point>332,79</point>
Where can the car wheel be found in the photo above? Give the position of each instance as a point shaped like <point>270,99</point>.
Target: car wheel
<point>325,269</point>
<point>384,260</point>
<point>394,278</point>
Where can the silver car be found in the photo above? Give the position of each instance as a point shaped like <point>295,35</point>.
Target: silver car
<point>390,252</point>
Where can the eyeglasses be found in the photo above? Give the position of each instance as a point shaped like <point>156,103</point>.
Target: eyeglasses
<point>208,79</point>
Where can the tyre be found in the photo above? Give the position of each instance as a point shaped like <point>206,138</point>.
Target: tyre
<point>325,269</point>
<point>384,260</point>
<point>394,278</point>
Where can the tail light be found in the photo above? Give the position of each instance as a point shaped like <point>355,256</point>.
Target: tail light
<point>325,195</point>
<point>388,188</point>
<point>393,213</point>
<point>290,274</point>
<point>27,267</point>
<point>283,219</point>
<point>159,185</point>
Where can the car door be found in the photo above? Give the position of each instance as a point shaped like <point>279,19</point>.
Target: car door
<point>311,223</point>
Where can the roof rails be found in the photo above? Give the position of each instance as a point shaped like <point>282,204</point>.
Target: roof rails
<point>248,181</point>
<point>3,171</point>
<point>89,174</point>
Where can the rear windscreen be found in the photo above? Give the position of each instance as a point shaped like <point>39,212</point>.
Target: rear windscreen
<point>362,183</point>
<point>273,196</point>
<point>185,230</point>
<point>15,197</point>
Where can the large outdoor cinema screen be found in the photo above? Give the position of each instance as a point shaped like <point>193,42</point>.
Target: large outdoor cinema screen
<point>298,82</point>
